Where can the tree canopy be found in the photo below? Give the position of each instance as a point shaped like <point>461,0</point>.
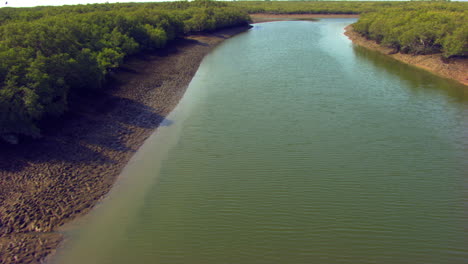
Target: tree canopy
<point>46,53</point>
<point>421,28</point>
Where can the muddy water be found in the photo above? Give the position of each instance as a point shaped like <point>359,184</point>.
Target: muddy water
<point>293,146</point>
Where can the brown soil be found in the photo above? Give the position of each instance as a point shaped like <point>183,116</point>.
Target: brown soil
<point>263,17</point>
<point>45,183</point>
<point>454,68</point>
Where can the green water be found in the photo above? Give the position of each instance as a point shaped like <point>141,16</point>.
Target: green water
<point>293,146</point>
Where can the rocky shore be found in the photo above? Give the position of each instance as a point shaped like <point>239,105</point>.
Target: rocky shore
<point>454,68</point>
<point>47,182</point>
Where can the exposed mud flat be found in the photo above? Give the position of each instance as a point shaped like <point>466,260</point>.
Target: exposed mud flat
<point>454,68</point>
<point>48,182</point>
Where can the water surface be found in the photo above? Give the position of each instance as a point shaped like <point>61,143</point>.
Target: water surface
<point>292,145</point>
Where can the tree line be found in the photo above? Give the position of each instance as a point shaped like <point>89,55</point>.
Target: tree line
<point>417,27</point>
<point>422,28</point>
<point>48,53</point>
<point>312,7</point>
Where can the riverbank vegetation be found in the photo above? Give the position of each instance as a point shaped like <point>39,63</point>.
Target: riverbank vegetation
<point>422,28</point>
<point>311,7</point>
<point>408,27</point>
<point>47,54</point>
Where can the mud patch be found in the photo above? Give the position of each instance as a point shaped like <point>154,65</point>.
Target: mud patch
<point>46,183</point>
<point>454,68</point>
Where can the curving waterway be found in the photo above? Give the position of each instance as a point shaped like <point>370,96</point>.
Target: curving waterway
<point>291,145</point>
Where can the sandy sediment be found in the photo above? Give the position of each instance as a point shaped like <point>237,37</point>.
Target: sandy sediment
<point>46,183</point>
<point>454,68</point>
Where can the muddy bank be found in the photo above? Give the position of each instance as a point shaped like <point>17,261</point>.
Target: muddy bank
<point>263,17</point>
<point>454,68</point>
<point>45,183</point>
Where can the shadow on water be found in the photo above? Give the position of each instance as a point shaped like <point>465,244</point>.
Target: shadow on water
<point>101,122</point>
<point>417,79</point>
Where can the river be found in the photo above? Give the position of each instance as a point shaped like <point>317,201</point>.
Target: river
<point>291,145</point>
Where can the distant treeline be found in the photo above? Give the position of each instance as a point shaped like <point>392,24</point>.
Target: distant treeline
<point>47,53</point>
<point>409,27</point>
<point>419,28</point>
<point>312,7</point>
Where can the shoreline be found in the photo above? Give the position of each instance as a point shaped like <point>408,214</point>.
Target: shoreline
<point>265,17</point>
<point>455,68</point>
<point>48,182</point>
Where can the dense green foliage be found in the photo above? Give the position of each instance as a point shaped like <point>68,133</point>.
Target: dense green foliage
<point>46,53</point>
<point>408,27</point>
<point>312,7</point>
<point>419,29</point>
